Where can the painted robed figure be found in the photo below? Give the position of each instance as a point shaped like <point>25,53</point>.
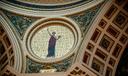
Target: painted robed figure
<point>52,43</point>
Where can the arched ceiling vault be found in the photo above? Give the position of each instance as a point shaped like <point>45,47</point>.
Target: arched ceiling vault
<point>86,37</point>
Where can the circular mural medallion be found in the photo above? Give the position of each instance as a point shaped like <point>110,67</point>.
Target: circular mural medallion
<point>52,39</point>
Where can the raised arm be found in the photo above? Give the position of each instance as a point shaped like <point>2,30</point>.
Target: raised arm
<point>49,32</point>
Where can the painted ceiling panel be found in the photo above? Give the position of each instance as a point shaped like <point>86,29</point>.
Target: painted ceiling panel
<point>61,66</point>
<point>85,18</point>
<point>20,23</point>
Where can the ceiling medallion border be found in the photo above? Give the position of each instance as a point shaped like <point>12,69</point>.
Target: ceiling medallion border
<point>50,10</point>
<point>46,23</point>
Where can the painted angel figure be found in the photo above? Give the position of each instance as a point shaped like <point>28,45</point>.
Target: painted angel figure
<point>52,43</point>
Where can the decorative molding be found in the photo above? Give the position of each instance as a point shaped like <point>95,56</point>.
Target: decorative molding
<point>15,44</point>
<point>46,13</point>
<point>61,66</point>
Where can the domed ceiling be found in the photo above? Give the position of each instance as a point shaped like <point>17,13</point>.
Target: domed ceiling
<point>67,37</point>
<point>31,19</point>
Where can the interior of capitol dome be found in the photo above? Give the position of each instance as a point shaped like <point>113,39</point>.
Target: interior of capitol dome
<point>64,38</point>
